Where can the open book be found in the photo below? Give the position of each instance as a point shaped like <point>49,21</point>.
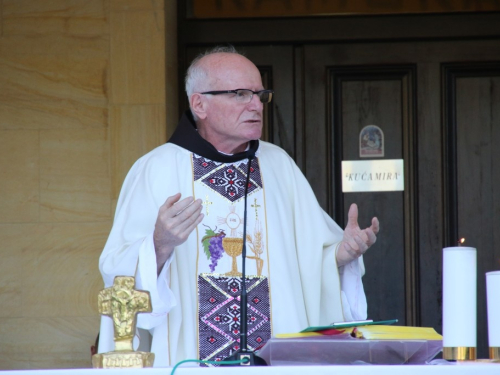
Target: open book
<point>380,330</point>
<point>342,325</point>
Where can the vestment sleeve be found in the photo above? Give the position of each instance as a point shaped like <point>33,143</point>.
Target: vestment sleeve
<point>130,249</point>
<point>337,285</point>
<point>353,294</point>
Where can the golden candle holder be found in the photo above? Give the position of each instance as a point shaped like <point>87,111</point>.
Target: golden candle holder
<point>233,247</point>
<point>459,353</point>
<point>495,353</point>
<point>122,303</point>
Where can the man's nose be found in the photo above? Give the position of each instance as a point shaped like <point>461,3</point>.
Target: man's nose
<point>255,104</point>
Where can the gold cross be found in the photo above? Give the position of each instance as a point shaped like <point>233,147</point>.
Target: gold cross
<point>122,303</point>
<point>207,203</point>
<point>256,206</point>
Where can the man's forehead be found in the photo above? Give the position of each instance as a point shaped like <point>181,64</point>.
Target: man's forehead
<point>223,59</point>
<point>225,67</point>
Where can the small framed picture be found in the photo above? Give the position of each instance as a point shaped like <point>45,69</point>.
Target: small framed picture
<point>371,142</point>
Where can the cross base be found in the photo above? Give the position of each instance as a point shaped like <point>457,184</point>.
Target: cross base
<point>123,359</point>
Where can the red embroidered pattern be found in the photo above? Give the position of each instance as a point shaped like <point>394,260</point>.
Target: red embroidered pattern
<point>219,314</point>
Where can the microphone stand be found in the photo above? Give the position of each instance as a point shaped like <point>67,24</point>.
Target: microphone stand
<point>244,353</point>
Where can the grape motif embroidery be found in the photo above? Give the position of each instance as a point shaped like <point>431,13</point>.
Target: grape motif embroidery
<point>212,244</point>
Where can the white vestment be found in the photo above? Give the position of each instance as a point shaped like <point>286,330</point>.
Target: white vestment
<point>306,286</point>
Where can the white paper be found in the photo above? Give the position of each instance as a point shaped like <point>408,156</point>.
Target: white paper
<point>459,297</point>
<point>493,299</point>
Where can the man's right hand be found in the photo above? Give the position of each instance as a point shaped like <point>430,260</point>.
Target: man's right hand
<point>176,220</point>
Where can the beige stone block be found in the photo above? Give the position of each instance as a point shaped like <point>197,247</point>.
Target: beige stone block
<point>53,78</point>
<point>135,130</point>
<point>133,5</point>
<point>71,17</point>
<point>51,269</point>
<point>52,91</point>
<point>1,18</point>
<point>52,114</point>
<point>61,273</point>
<point>19,163</point>
<point>15,239</point>
<point>60,45</point>
<point>137,59</point>
<point>74,175</point>
<point>47,343</point>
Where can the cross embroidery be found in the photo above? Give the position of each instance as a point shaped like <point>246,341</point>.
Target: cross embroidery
<point>256,206</point>
<point>207,203</point>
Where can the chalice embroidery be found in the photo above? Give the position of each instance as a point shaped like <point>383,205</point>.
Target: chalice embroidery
<point>233,247</point>
<point>215,244</point>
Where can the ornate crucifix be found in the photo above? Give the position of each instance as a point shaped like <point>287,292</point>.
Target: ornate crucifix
<point>122,303</point>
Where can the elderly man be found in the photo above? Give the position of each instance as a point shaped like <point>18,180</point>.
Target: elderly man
<point>187,208</point>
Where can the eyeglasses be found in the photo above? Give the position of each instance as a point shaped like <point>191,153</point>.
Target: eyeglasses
<point>245,95</point>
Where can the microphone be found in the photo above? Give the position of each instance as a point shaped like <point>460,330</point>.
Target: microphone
<point>243,352</point>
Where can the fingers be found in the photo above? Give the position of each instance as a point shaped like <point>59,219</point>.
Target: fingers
<point>176,220</point>
<point>356,241</point>
<point>188,217</point>
<point>190,227</point>
<point>371,237</point>
<point>352,215</point>
<point>185,208</point>
<point>350,250</point>
<point>357,246</point>
<point>375,225</point>
<point>172,200</point>
<point>174,207</point>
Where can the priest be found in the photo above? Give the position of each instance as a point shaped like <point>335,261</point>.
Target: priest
<point>188,207</point>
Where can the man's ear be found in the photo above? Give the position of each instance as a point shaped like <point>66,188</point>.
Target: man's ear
<point>198,105</point>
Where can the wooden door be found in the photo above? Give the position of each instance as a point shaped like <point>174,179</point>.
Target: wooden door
<point>438,106</point>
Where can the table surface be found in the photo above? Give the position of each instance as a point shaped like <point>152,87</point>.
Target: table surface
<point>462,368</point>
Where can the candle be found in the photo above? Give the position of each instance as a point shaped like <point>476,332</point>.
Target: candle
<point>459,302</point>
<point>493,302</point>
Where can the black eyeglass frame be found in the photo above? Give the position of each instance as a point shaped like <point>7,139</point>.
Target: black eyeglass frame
<point>258,93</point>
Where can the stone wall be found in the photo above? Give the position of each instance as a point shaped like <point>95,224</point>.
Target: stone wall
<point>82,96</point>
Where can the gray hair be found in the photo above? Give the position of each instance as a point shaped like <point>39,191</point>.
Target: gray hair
<point>197,76</point>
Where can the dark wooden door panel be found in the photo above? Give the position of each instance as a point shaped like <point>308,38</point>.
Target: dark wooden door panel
<point>472,97</point>
<point>382,96</point>
<point>348,86</point>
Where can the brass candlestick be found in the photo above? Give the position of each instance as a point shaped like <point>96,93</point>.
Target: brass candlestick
<point>495,353</point>
<point>459,353</point>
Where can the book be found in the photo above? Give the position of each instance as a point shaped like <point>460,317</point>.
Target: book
<point>367,330</point>
<point>342,325</point>
<point>384,332</point>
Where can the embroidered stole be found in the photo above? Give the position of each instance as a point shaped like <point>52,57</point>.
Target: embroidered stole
<point>222,187</point>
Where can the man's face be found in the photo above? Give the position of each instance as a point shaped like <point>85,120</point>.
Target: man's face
<point>229,124</point>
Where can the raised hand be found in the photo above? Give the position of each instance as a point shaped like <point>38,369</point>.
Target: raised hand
<point>356,240</point>
<point>175,222</point>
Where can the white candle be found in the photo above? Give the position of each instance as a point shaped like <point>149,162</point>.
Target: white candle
<point>493,300</point>
<point>459,297</point>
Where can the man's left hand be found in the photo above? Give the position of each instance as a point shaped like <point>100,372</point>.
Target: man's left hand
<point>356,240</point>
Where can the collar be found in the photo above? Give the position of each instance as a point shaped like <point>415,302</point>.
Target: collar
<point>187,137</point>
